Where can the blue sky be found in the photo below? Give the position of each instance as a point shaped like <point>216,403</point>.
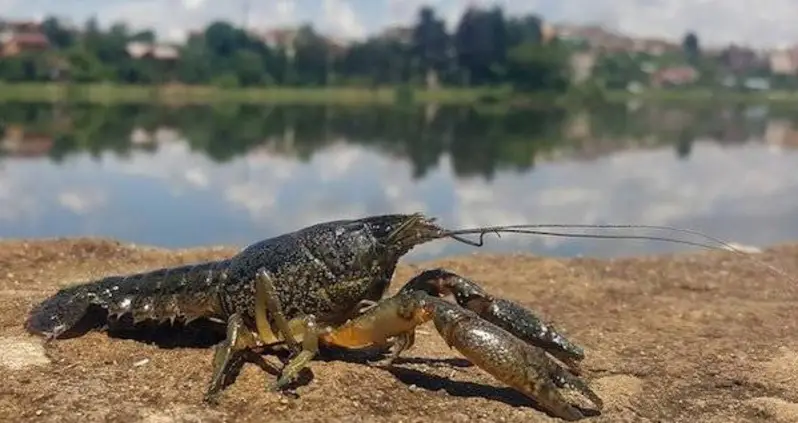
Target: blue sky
<point>748,22</point>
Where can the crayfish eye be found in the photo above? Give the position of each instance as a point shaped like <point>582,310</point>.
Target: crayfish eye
<point>385,226</point>
<point>382,231</point>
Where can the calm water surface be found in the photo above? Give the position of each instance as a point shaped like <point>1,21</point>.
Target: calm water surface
<point>182,177</point>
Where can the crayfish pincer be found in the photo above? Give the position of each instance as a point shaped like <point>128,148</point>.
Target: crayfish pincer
<point>325,285</point>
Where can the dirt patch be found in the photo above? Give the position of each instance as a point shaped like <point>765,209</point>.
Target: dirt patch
<point>700,337</point>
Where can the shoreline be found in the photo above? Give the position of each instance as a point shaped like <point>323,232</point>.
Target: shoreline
<point>107,93</point>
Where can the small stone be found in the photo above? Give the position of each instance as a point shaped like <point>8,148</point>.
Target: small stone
<point>17,353</point>
<point>141,362</point>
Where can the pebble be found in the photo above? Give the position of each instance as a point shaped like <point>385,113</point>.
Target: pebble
<point>17,353</point>
<point>141,362</point>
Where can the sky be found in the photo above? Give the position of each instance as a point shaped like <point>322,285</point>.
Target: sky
<point>760,23</point>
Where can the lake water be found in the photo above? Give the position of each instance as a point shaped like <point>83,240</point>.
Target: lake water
<point>194,176</point>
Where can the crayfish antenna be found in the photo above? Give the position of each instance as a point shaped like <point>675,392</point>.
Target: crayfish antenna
<point>537,229</point>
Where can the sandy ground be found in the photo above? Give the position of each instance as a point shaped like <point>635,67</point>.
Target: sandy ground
<point>704,337</point>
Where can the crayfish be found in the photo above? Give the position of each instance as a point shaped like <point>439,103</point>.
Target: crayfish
<point>325,285</point>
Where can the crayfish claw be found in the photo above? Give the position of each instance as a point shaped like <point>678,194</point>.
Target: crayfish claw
<point>511,360</point>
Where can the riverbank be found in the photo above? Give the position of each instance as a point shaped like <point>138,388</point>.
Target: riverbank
<point>490,96</point>
<point>704,337</point>
<point>177,94</point>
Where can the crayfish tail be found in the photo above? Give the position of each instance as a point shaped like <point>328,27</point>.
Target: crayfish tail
<point>62,312</point>
<point>184,292</point>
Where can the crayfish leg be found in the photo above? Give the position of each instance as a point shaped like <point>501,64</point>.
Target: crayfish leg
<point>267,301</point>
<point>310,333</point>
<point>404,341</point>
<point>395,316</point>
<point>228,355</point>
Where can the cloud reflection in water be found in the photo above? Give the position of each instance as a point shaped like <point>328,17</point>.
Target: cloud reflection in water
<point>180,198</point>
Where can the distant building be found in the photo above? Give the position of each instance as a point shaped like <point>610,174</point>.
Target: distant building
<point>602,40</point>
<point>582,64</point>
<point>784,62</point>
<point>674,76</point>
<point>593,37</point>
<point>20,26</point>
<point>741,60</point>
<point>547,32</point>
<point>21,37</point>
<point>142,50</point>
<point>655,47</point>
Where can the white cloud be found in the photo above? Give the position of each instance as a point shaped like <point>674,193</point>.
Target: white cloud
<point>751,22</point>
<point>193,4</point>
<point>17,200</point>
<point>285,9</point>
<point>716,21</point>
<point>82,200</point>
<point>402,11</point>
<point>6,5</point>
<point>341,20</point>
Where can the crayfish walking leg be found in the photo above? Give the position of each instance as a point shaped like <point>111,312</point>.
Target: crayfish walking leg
<point>228,353</point>
<point>267,301</point>
<point>241,339</point>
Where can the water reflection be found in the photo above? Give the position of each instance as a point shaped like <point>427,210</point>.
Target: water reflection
<point>234,174</point>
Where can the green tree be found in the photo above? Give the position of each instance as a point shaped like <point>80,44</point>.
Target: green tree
<point>430,44</point>
<point>59,37</point>
<point>534,67</point>
<point>312,60</point>
<point>486,48</point>
<point>691,48</point>
<point>481,43</point>
<point>616,71</point>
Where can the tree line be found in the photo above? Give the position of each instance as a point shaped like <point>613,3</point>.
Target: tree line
<point>487,47</point>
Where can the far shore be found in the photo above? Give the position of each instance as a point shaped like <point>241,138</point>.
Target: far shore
<point>108,93</point>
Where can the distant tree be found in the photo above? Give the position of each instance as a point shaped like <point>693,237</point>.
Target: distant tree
<point>486,47</point>
<point>533,67</point>
<point>616,71</point>
<point>377,62</point>
<point>147,36</point>
<point>525,29</point>
<point>691,47</point>
<point>59,37</point>
<point>430,44</point>
<point>481,42</point>
<point>311,64</point>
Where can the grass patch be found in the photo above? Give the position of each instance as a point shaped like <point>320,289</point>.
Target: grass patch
<point>180,94</point>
